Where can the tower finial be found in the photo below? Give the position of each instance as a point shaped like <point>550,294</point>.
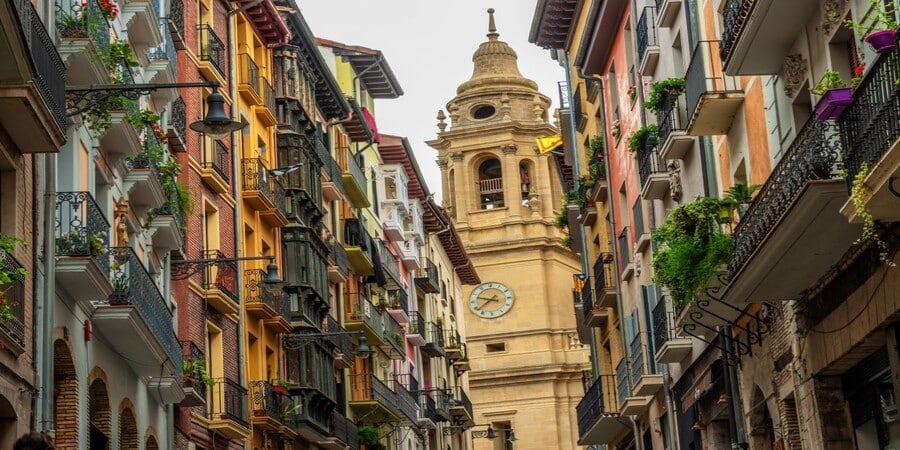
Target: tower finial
<point>492,28</point>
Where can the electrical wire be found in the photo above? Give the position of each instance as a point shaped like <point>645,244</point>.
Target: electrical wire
<point>859,314</point>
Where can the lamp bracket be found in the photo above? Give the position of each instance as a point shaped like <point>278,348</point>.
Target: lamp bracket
<point>81,98</point>
<point>182,269</point>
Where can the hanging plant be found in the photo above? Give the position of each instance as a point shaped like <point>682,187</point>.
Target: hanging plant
<point>661,91</point>
<point>693,246</point>
<point>858,193</point>
<point>8,274</point>
<point>645,136</point>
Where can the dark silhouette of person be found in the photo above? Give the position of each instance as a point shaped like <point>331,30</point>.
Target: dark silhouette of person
<point>34,441</point>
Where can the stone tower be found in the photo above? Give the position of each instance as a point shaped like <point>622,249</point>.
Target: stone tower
<point>503,196</point>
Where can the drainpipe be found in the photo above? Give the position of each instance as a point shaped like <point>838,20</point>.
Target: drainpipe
<point>45,289</point>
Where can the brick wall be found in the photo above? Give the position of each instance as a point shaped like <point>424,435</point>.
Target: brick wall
<point>99,412</point>
<point>128,432</point>
<point>65,391</point>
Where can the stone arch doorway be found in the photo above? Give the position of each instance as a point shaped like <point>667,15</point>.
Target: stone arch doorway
<point>99,415</point>
<point>128,432</point>
<point>762,427</point>
<point>65,396</point>
<point>490,184</point>
<point>8,417</point>
<point>151,443</point>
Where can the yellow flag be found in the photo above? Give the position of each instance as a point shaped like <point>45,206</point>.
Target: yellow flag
<point>548,143</point>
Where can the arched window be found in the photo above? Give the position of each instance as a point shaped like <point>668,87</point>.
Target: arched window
<point>525,179</point>
<point>490,184</point>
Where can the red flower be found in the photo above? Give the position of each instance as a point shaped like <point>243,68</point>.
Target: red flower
<point>858,70</point>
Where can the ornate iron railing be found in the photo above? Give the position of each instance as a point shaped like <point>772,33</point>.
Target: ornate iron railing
<point>366,387</point>
<point>670,117</point>
<point>212,49</point>
<point>406,401</point>
<point>12,295</point>
<point>434,336</point>
<point>248,74</point>
<point>134,286</point>
<point>81,228</point>
<point>176,18</point>
<point>334,174</point>
<point>223,277</point>
<point>344,430</point>
<point>83,19</point>
<point>734,15</point>
<point>178,121</point>
<point>258,292</point>
<point>389,262</point>
<point>428,406</point>
<point>811,156</point>
<point>361,310</point>
<point>352,167</point>
<point>663,322</point>
<point>193,379</point>
<point>416,324</point>
<point>217,158</point>
<point>427,277</point>
<point>636,357</point>
<point>646,31</point>
<point>229,402</point>
<point>256,177</point>
<point>171,208</point>
<point>339,256</point>
<point>871,125</point>
<point>393,333</point>
<point>587,297</point>
<point>265,402</point>
<point>599,399</point>
<point>648,159</point>
<point>50,71</point>
<point>460,398</point>
<point>623,381</point>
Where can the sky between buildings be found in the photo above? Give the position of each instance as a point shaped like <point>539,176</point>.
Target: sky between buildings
<point>429,45</point>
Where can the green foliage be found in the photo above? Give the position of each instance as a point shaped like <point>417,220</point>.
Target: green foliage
<point>645,135</point>
<point>368,434</point>
<point>8,274</point>
<point>831,79</point>
<point>883,18</point>
<point>117,59</point>
<point>195,369</point>
<point>74,243</point>
<point>596,166</point>
<point>561,221</point>
<point>692,248</point>
<point>144,118</point>
<point>661,90</point>
<point>858,193</point>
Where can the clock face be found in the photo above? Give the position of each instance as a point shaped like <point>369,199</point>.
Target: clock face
<point>491,300</point>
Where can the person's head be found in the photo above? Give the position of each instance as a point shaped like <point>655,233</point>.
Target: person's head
<point>34,441</point>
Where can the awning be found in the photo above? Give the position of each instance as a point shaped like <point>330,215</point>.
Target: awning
<point>267,22</point>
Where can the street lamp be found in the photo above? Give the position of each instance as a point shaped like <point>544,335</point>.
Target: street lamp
<point>295,341</point>
<point>184,268</point>
<point>216,124</point>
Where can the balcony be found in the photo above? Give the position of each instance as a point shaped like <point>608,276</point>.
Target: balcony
<point>461,364</point>
<point>460,407</point>
<point>409,252</point>
<point>392,217</point>
<point>669,347</point>
<point>415,329</point>
<point>875,107</point>
<point>392,342</point>
<point>360,315</point>
<point>647,43</point>
<point>141,19</point>
<point>758,34</point>
<point>266,112</point>
<point>167,227</point>
<point>122,139</point>
<point>427,278</point>
<point>216,165</point>
<point>594,315</point>
<point>604,281</point>
<point>84,36</point>
<point>249,81</point>
<point>434,341</point>
<point>713,98</point>
<point>192,381</point>
<point>142,182</point>
<point>344,347</point>
<point>175,23</point>
<point>428,414</point>
<point>338,262</point>
<point>82,242</point>
<point>308,418</point>
<point>162,67</point>
<point>305,274</point>
<point>220,284</point>
<point>674,142</point>
<point>309,370</point>
<point>354,179</point>
<point>392,192</point>
<point>227,409</point>
<point>213,55</point>
<point>406,388</point>
<point>137,309</point>
<point>268,407</point>
<point>652,171</point>
<point>333,186</point>
<point>343,434</point>
<point>598,419</point>
<point>12,328</point>
<point>176,131</point>
<point>794,213</point>
<point>390,265</point>
<point>266,303</point>
<point>372,400</point>
<point>644,379</point>
<point>304,184</point>
<point>263,192</point>
<point>452,344</point>
<point>398,306</point>
<point>357,244</point>
<point>33,94</point>
<point>667,12</point>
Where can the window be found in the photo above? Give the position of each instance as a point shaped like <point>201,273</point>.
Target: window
<point>490,183</point>
<point>496,347</point>
<point>481,112</point>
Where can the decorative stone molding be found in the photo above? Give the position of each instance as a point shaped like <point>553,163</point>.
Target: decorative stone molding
<point>793,73</point>
<point>456,156</point>
<point>832,12</point>
<point>674,169</point>
<point>442,163</point>
<point>505,108</point>
<point>441,117</point>
<point>509,149</point>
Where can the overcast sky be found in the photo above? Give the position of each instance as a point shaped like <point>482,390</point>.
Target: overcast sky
<point>429,45</point>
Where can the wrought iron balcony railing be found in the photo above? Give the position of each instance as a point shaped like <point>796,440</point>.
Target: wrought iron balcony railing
<point>355,235</point>
<point>13,296</point>
<point>338,256</point>
<point>428,405</point>
<point>176,22</point>
<point>256,177</point>
<point>624,248</point>
<point>248,74</point>
<point>229,402</point>
<point>223,277</point>
<point>876,106</point>
<point>649,162</point>
<point>646,31</point>
<point>367,387</point>
<point>83,19</point>
<point>353,168</point>
<point>81,228</point>
<point>193,377</point>
<point>599,399</point>
<point>344,430</point>
<point>216,157</point>
<point>213,50</point>
<point>663,324</point>
<point>258,293</point>
<point>393,333</point>
<point>268,95</point>
<point>264,402</point>
<point>134,286</point>
<point>416,324</point>
<point>177,130</point>
<point>623,381</point>
<point>735,16</point>
<point>361,310</point>
<point>670,117</point>
<point>459,398</point>
<point>406,400</point>
<point>812,156</point>
<point>604,273</point>
<point>427,278</point>
<point>344,342</point>
<point>636,359</point>
<point>50,71</point>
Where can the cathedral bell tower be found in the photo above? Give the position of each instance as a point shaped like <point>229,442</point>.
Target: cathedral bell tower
<point>503,196</point>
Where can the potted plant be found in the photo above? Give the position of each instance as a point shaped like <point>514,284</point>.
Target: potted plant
<point>739,196</point>
<point>8,274</point>
<point>119,295</point>
<point>368,437</point>
<point>644,137</point>
<point>836,96</point>
<point>195,370</point>
<point>663,93</point>
<point>280,386</point>
<point>881,33</point>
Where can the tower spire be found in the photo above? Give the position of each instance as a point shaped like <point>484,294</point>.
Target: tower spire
<point>492,28</point>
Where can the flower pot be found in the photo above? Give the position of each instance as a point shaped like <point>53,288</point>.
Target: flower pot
<point>279,390</point>
<point>833,103</point>
<point>883,41</point>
